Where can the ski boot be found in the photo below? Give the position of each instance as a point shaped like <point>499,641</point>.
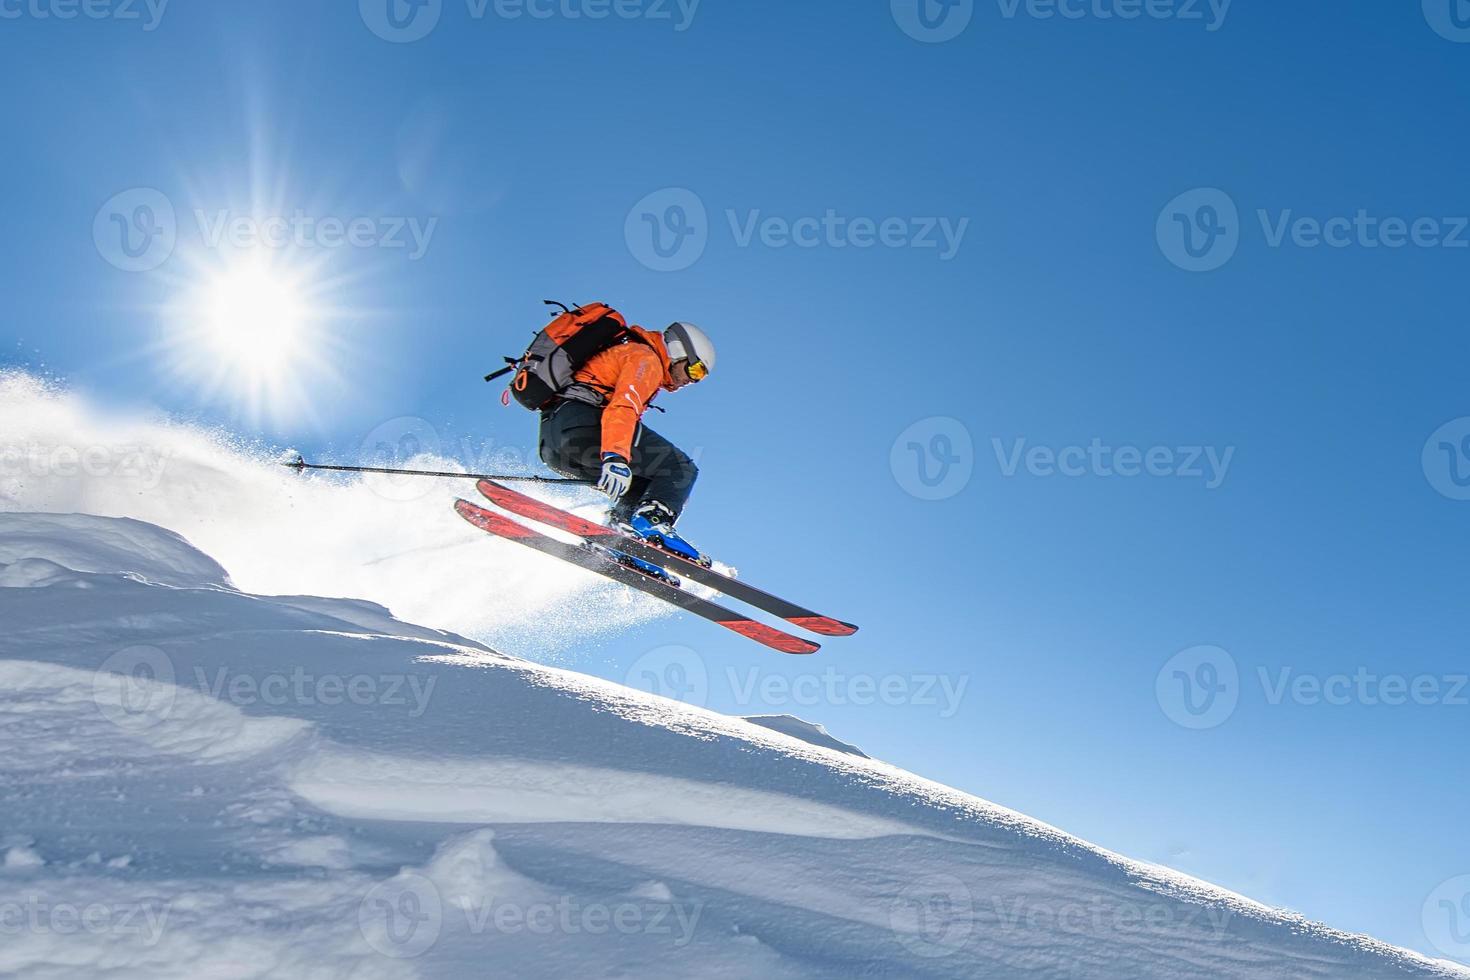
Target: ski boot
<point>638,565</point>
<point>654,523</point>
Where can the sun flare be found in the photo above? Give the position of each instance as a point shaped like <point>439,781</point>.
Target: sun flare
<point>247,336</point>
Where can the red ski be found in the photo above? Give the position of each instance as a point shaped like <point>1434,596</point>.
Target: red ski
<point>599,562</point>
<point>543,513</point>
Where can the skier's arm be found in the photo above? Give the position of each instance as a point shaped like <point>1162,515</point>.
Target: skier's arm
<point>638,381</point>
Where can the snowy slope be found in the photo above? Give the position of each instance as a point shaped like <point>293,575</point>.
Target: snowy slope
<point>200,781</point>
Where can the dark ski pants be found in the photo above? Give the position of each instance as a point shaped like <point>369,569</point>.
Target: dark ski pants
<point>571,444</point>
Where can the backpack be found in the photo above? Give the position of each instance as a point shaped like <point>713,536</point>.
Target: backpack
<point>560,349</point>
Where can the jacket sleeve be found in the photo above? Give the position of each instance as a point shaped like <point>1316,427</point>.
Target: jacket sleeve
<point>638,381</point>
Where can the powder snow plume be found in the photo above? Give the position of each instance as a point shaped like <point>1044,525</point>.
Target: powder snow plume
<point>394,541</point>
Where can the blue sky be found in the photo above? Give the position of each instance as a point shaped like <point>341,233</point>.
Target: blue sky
<point>1229,238</point>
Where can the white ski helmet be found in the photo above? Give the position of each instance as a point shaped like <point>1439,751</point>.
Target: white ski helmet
<point>685,341</point>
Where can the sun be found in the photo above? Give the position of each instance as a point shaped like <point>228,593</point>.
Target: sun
<point>255,321</point>
<point>248,338</point>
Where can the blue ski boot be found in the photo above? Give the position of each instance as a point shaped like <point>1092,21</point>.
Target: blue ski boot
<point>654,523</point>
<point>638,565</point>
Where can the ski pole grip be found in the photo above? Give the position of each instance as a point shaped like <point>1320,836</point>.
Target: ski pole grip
<point>511,364</point>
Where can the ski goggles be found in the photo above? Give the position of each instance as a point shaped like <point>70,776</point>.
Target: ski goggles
<point>697,370</point>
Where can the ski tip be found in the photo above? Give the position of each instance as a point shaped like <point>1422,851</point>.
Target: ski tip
<point>771,637</point>
<point>824,625</point>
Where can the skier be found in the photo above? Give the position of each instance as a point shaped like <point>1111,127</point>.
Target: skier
<point>593,430</point>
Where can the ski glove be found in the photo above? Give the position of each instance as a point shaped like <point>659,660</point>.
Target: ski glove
<point>617,476</point>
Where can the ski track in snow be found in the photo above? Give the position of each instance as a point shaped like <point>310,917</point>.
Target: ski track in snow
<point>190,787</point>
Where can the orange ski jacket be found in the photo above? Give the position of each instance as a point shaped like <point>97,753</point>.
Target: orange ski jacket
<point>627,377</point>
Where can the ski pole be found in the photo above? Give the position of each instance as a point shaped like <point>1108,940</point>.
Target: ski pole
<point>298,464</point>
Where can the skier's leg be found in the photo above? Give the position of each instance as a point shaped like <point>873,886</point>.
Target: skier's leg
<point>571,440</point>
<point>622,511</point>
<point>666,472</point>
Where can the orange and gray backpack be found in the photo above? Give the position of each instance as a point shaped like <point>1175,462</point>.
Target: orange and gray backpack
<point>559,350</point>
